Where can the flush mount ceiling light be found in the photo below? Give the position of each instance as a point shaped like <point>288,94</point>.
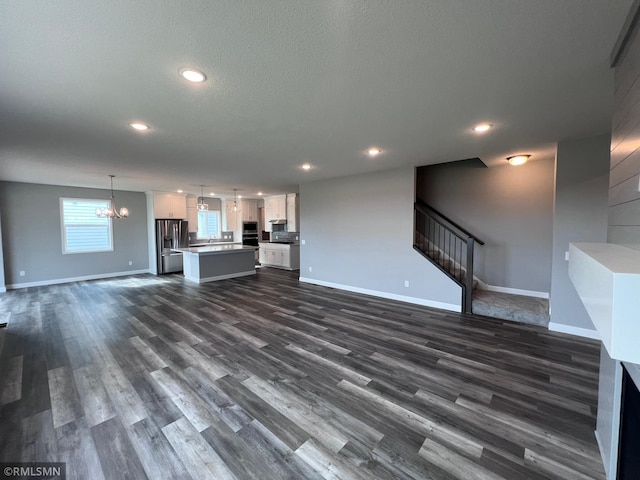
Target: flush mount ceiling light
<point>112,211</point>
<point>518,159</point>
<point>192,75</point>
<point>482,127</point>
<point>139,126</point>
<point>374,151</point>
<point>202,206</point>
<point>306,166</point>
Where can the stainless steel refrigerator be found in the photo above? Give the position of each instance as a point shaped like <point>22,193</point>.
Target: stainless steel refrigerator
<point>170,234</point>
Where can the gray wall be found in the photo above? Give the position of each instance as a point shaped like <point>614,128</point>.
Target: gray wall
<point>358,232</point>
<point>580,215</point>
<point>509,208</point>
<point>624,197</point>
<point>32,240</point>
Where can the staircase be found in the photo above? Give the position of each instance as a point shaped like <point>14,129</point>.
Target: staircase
<point>450,248</point>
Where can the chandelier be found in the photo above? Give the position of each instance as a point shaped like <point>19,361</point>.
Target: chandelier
<point>202,206</point>
<point>112,211</point>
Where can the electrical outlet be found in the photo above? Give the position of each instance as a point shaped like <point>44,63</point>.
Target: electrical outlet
<point>22,273</point>
<point>310,269</point>
<point>303,242</point>
<point>406,283</point>
<point>130,262</point>
<point>566,256</point>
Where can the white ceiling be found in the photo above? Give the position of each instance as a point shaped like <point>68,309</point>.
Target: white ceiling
<point>292,81</point>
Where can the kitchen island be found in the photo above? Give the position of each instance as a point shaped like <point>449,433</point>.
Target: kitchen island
<point>217,262</point>
<point>280,255</point>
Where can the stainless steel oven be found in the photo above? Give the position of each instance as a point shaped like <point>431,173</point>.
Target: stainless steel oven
<point>250,233</point>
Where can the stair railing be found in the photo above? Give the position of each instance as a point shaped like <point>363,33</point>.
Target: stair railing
<point>448,246</point>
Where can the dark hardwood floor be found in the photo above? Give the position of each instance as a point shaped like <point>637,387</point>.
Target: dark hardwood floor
<point>265,378</point>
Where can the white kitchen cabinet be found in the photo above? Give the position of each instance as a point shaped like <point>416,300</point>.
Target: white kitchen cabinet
<point>276,207</point>
<point>249,210</point>
<point>293,217</point>
<point>192,213</point>
<point>231,216</point>
<point>192,218</point>
<point>169,205</point>
<point>280,255</point>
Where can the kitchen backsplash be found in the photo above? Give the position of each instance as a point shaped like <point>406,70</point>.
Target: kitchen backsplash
<point>224,237</point>
<point>285,236</point>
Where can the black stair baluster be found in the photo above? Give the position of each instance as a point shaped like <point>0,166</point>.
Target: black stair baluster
<point>448,246</point>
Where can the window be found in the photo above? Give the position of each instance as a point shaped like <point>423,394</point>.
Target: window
<point>208,224</point>
<point>82,230</point>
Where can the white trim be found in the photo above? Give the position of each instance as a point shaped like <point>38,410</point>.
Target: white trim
<point>222,277</point>
<point>579,331</point>
<point>513,291</point>
<point>391,296</point>
<point>56,281</point>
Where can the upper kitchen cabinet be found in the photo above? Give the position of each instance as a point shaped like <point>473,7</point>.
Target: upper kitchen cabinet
<point>293,215</point>
<point>230,216</point>
<point>169,205</point>
<point>275,207</point>
<point>192,213</point>
<point>249,210</point>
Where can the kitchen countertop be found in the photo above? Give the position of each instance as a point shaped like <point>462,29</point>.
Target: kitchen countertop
<point>207,244</point>
<point>214,249</point>
<point>295,244</point>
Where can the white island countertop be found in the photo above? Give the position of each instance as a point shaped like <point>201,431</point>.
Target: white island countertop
<point>215,249</point>
<point>607,279</point>
<point>207,244</point>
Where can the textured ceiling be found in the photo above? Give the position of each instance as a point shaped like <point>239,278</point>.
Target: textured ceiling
<point>292,82</point>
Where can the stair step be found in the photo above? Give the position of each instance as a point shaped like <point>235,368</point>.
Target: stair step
<point>447,265</point>
<point>517,308</point>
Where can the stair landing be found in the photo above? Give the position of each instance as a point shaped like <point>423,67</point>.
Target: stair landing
<point>506,306</point>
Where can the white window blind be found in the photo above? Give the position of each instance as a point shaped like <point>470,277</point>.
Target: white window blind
<point>82,230</point>
<point>209,224</point>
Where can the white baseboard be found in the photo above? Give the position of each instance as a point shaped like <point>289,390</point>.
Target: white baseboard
<point>513,291</point>
<point>57,281</point>
<point>391,296</point>
<point>223,277</point>
<point>578,331</point>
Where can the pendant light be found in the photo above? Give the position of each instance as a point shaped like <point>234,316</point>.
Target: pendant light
<point>202,206</point>
<point>112,211</point>
<point>235,200</point>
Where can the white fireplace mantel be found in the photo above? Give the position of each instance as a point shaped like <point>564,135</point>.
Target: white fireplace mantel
<point>607,279</point>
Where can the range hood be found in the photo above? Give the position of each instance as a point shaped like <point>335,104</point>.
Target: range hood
<point>278,222</point>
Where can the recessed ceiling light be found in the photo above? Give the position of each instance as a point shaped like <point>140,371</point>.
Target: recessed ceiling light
<point>482,127</point>
<point>193,75</point>
<point>260,193</point>
<point>211,193</point>
<point>239,196</point>
<point>139,126</point>
<point>373,151</point>
<point>518,159</point>
<point>306,166</point>
<point>179,191</point>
